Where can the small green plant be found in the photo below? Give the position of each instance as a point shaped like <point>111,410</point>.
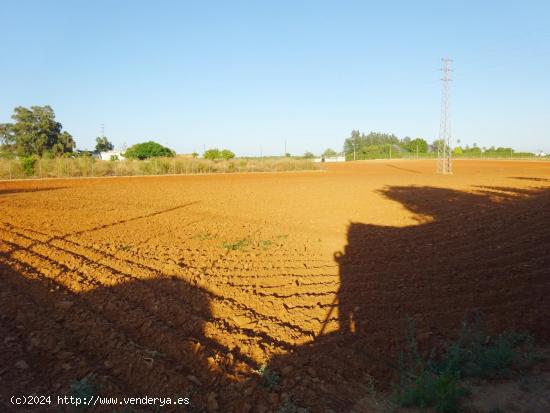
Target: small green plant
<point>265,243</point>
<point>237,245</point>
<point>269,378</point>
<point>124,247</point>
<point>435,381</point>
<point>28,163</point>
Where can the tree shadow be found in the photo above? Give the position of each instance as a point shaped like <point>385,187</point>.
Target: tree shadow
<point>530,178</point>
<point>9,191</point>
<point>487,252</point>
<point>134,338</point>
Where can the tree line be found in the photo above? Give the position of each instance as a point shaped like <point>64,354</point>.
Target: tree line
<point>376,145</point>
<point>35,133</point>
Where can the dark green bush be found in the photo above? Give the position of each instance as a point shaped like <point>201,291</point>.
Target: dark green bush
<point>147,150</point>
<point>28,163</point>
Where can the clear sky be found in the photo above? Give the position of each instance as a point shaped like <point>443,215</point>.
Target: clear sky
<point>245,75</point>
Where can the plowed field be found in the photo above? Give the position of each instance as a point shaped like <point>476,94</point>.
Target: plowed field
<point>189,285</point>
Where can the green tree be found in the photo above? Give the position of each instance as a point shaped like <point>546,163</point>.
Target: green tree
<point>103,144</point>
<point>148,149</point>
<point>212,154</point>
<point>458,151</point>
<point>35,132</point>
<point>374,144</point>
<point>435,145</point>
<point>195,155</point>
<point>7,138</point>
<point>227,154</point>
<point>309,155</point>
<point>417,143</point>
<point>329,153</point>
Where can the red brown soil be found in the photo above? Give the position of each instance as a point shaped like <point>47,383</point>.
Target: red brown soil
<point>186,285</point>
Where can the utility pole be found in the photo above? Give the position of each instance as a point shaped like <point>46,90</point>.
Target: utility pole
<point>444,163</point>
<point>285,147</point>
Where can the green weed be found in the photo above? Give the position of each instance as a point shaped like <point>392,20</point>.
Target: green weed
<point>435,381</point>
<point>124,247</point>
<point>265,243</point>
<point>269,378</point>
<point>234,246</point>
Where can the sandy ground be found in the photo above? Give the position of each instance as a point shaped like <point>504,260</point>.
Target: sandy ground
<point>185,285</point>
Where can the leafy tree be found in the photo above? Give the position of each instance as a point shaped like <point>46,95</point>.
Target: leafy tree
<point>227,154</point>
<point>148,149</point>
<point>309,155</point>
<point>195,155</point>
<point>419,143</point>
<point>34,132</point>
<point>7,138</point>
<point>375,143</point>
<point>329,153</point>
<point>212,154</point>
<point>405,142</point>
<point>458,151</point>
<point>103,144</point>
<point>436,144</point>
<point>215,153</point>
<point>287,155</point>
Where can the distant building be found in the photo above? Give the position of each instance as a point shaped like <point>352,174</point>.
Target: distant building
<point>541,154</point>
<point>109,155</point>
<point>340,158</point>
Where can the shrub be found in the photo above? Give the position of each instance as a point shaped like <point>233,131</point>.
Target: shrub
<point>148,150</point>
<point>435,381</point>
<point>227,154</point>
<point>28,163</point>
<point>212,154</point>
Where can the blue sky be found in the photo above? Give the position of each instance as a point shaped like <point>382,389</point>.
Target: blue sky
<point>245,75</point>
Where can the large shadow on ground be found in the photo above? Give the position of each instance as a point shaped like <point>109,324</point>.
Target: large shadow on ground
<point>137,338</point>
<point>486,252</point>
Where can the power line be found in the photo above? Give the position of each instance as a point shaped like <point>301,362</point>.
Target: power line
<point>444,161</point>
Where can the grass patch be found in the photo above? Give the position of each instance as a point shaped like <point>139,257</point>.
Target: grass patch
<point>237,245</point>
<point>436,381</point>
<point>124,247</point>
<point>265,243</point>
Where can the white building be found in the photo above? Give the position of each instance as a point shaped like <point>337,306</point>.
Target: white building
<point>331,159</point>
<point>108,155</point>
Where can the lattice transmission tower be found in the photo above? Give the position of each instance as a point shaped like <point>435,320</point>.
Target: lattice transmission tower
<point>444,160</point>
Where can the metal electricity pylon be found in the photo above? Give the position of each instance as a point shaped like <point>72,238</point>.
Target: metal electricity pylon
<point>444,161</point>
